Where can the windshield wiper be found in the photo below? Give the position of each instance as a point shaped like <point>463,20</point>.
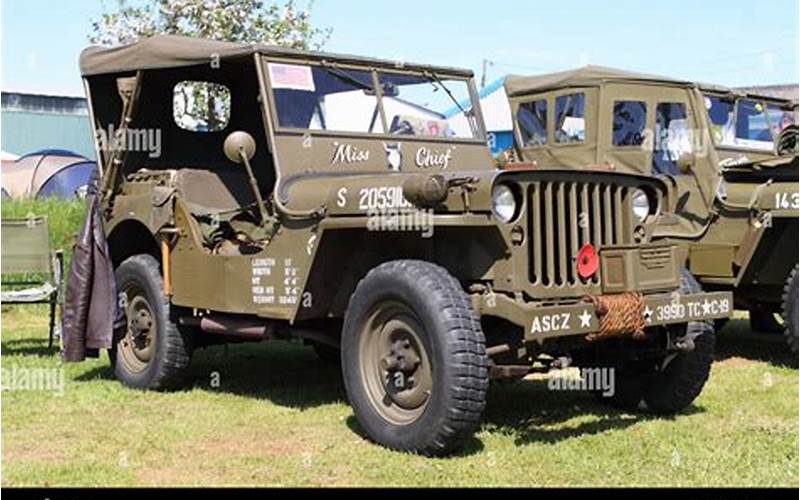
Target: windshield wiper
<point>433,77</point>
<point>341,75</point>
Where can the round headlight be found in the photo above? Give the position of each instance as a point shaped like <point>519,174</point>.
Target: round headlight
<point>640,203</point>
<point>504,204</point>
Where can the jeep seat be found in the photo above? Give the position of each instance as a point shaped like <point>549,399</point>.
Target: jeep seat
<point>215,190</point>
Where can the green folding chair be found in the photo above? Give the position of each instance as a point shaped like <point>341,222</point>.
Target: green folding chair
<point>31,272</point>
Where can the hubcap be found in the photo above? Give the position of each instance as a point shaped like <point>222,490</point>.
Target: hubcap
<point>136,346</point>
<point>394,363</point>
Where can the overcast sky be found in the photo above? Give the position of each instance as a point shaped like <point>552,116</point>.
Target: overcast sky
<point>730,42</point>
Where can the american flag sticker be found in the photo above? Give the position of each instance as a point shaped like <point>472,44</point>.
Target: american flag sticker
<point>291,76</point>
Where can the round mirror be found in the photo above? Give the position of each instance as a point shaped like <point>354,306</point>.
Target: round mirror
<point>237,143</point>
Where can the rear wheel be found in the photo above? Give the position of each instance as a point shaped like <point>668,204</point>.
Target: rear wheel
<point>667,384</point>
<point>414,358</point>
<point>790,311</point>
<point>150,352</point>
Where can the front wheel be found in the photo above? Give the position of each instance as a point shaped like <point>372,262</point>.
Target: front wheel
<point>151,352</point>
<point>670,383</point>
<point>414,358</point>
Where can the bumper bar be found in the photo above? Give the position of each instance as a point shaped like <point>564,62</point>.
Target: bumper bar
<point>544,322</point>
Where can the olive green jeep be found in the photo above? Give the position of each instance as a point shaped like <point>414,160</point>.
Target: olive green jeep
<point>728,158</point>
<point>353,203</point>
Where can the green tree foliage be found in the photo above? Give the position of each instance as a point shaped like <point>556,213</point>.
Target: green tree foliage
<point>247,21</point>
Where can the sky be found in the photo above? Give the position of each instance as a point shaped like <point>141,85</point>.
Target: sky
<point>732,42</point>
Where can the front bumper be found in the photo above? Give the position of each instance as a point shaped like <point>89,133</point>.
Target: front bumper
<point>541,322</point>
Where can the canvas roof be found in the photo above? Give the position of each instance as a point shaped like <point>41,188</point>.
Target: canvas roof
<point>169,51</point>
<point>588,76</point>
<point>580,77</point>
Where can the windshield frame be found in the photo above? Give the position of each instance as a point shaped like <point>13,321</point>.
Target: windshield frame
<point>474,106</point>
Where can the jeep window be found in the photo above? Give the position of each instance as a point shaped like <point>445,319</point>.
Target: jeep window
<point>672,137</point>
<point>319,98</point>
<point>628,123</point>
<point>201,106</point>
<point>532,121</point>
<point>722,117</point>
<point>427,105</point>
<point>780,118</point>
<point>752,128</point>
<point>570,121</point>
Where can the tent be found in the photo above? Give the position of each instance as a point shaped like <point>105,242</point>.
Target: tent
<point>50,172</point>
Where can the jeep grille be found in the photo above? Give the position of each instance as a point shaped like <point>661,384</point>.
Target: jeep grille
<point>565,215</point>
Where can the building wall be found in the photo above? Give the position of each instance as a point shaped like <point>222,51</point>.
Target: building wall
<point>31,122</point>
<point>25,132</point>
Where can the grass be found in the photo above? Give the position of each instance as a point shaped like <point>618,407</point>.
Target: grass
<point>277,417</point>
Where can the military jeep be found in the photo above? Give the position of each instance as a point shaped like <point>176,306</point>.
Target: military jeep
<point>353,203</point>
<point>729,160</point>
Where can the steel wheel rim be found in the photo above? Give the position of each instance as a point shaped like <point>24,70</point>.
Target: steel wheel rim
<point>394,364</point>
<point>138,343</point>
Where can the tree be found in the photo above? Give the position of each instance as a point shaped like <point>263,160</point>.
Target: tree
<point>249,21</point>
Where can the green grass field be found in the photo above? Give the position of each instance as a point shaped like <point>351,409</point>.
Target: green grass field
<point>277,417</point>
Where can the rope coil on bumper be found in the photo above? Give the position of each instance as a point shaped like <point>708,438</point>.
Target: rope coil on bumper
<point>619,315</point>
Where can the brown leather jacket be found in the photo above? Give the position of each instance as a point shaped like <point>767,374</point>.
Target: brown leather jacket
<point>91,308</point>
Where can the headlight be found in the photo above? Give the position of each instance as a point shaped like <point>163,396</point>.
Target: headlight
<point>504,204</point>
<point>641,205</point>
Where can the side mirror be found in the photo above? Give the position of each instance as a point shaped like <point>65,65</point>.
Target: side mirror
<point>239,145</point>
<point>685,163</point>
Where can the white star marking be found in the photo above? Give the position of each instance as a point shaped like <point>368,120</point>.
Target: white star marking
<point>706,307</point>
<point>648,314</point>
<point>585,318</point>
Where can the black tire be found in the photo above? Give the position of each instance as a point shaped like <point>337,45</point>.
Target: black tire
<point>168,349</point>
<point>426,296</point>
<point>762,321</point>
<point>790,311</point>
<point>649,385</point>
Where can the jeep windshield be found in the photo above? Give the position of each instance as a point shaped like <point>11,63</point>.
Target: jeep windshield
<point>328,98</point>
<point>746,122</point>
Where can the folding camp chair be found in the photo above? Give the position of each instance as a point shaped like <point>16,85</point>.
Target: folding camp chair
<point>31,273</point>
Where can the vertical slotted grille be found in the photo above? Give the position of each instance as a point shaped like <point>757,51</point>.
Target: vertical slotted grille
<point>565,215</point>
